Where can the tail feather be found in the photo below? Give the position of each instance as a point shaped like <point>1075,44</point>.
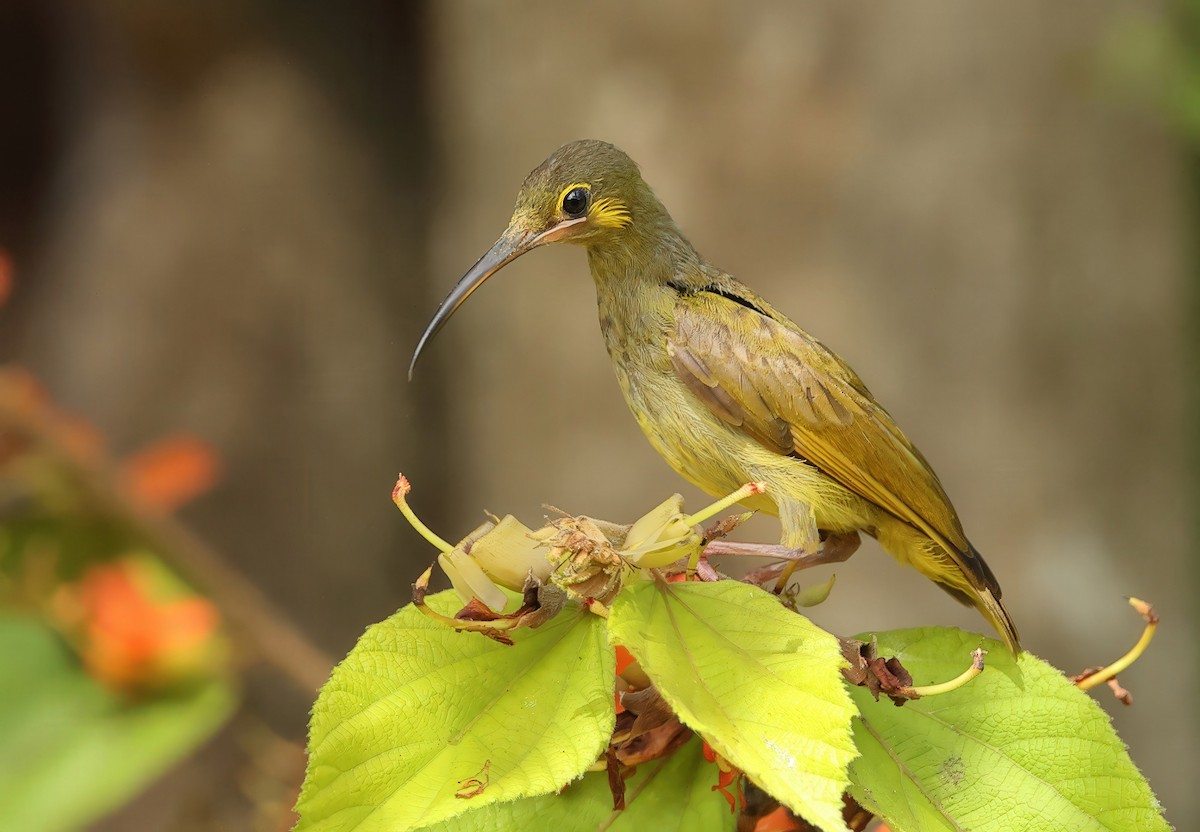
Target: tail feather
<point>992,609</point>
<point>965,575</point>
<point>987,601</point>
<point>983,571</point>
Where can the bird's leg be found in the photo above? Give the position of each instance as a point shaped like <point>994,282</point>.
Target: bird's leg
<point>705,571</point>
<point>833,548</point>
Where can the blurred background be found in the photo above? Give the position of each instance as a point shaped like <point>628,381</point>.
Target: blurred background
<point>231,220</point>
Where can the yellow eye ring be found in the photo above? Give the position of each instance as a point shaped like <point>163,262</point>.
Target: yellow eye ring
<point>576,199</point>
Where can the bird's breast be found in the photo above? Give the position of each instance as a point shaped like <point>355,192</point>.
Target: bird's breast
<point>636,328</point>
<point>683,431</point>
<point>707,452</point>
<point>711,454</point>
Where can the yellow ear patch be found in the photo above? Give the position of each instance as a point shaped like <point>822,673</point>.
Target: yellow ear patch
<point>610,213</point>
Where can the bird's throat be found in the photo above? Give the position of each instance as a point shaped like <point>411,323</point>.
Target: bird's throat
<point>634,300</point>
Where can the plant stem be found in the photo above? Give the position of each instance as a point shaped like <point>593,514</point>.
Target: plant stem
<point>1123,663</point>
<point>270,634</point>
<point>398,494</point>
<point>957,682</point>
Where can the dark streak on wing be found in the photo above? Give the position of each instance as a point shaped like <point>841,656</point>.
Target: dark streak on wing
<point>725,293</point>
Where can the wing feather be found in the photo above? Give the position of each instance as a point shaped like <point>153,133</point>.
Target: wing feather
<point>765,376</point>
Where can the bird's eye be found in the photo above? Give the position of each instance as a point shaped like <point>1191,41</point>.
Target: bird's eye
<point>575,202</point>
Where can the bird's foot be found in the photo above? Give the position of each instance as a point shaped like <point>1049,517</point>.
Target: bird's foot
<point>834,548</point>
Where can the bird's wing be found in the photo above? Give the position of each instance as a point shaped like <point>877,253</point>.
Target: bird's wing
<point>791,394</point>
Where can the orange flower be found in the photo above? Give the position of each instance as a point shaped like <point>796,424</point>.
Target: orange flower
<point>727,775</point>
<point>624,659</point>
<point>170,472</point>
<point>778,821</point>
<point>130,636</point>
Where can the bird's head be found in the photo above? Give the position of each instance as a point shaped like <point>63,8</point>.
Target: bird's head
<point>587,192</point>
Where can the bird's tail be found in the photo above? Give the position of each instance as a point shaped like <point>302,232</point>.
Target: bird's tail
<point>982,599</point>
<point>965,575</point>
<point>993,610</point>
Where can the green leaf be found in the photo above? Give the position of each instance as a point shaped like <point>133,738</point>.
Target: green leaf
<point>1020,747</point>
<point>420,723</point>
<point>674,795</point>
<point>70,750</point>
<point>761,683</point>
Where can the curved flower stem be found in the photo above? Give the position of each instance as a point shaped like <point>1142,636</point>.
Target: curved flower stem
<point>492,628</point>
<point>1103,675</point>
<point>945,687</point>
<point>398,494</point>
<point>747,490</point>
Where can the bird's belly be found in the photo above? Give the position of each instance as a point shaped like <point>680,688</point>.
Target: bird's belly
<point>718,458</point>
<point>691,440</point>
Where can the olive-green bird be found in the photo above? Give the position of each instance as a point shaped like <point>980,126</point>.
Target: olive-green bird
<point>728,389</point>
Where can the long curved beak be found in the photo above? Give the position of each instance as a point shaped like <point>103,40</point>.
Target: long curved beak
<point>511,245</point>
